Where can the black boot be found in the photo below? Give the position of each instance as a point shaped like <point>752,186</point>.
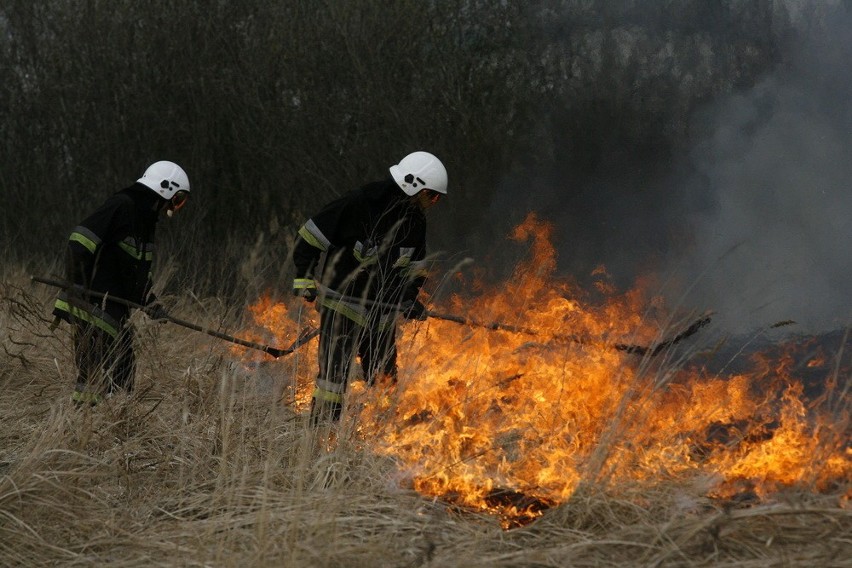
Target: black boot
<point>324,411</point>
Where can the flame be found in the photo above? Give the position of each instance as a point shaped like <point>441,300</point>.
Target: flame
<point>278,324</point>
<point>512,423</point>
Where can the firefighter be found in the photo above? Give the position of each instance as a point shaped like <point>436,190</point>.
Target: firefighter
<point>111,252</point>
<point>362,258</point>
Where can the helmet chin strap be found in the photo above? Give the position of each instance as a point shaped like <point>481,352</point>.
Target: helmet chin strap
<point>164,204</point>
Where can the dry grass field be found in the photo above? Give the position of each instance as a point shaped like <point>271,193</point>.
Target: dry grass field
<point>210,463</point>
<point>657,136</point>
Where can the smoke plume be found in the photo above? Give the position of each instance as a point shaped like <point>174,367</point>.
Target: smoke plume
<point>750,216</point>
<point>774,168</point>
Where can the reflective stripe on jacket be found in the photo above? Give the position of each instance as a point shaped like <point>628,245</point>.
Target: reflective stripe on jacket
<point>77,309</point>
<point>112,251</point>
<point>369,244</point>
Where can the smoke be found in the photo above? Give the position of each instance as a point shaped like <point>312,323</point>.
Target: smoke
<point>774,167</point>
<point>742,205</point>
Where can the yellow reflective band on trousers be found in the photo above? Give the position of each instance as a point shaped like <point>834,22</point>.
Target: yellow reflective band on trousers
<point>303,283</point>
<point>327,396</point>
<point>357,312</point>
<point>90,397</point>
<point>330,386</point>
<point>87,316</point>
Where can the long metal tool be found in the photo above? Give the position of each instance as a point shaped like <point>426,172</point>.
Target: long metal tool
<point>642,350</point>
<point>276,352</point>
<point>626,347</point>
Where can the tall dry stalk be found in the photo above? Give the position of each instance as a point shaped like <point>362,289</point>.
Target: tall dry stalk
<point>202,467</point>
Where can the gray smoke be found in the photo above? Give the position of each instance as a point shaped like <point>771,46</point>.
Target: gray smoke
<point>777,166</point>
<point>751,218</point>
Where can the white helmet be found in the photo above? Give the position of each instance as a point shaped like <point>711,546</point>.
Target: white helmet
<point>420,170</point>
<point>165,178</point>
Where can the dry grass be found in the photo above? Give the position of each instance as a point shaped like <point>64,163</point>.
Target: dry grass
<point>202,467</point>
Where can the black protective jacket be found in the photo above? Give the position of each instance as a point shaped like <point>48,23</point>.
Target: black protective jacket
<point>111,251</point>
<point>374,243</point>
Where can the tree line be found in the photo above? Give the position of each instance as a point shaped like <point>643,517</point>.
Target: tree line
<point>275,107</point>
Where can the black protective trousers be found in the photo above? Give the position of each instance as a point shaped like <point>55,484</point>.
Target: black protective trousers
<point>341,339</point>
<point>105,363</point>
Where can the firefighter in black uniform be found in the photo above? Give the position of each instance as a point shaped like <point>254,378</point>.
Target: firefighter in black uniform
<point>363,256</point>
<point>111,252</point>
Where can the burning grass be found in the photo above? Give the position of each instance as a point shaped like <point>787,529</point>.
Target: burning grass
<point>511,423</point>
<point>594,456</point>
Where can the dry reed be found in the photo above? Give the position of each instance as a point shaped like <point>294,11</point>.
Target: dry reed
<point>202,467</point>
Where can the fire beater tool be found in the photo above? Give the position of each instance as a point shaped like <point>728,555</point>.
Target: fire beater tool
<point>276,352</point>
<point>640,350</point>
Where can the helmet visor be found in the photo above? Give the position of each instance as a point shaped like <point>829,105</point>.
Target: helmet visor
<point>179,200</point>
<point>433,196</point>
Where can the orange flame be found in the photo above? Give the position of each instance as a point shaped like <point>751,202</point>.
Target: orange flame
<point>512,423</point>
<point>280,325</point>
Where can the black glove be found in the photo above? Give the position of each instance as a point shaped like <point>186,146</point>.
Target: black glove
<point>157,312</point>
<point>309,294</point>
<point>415,311</point>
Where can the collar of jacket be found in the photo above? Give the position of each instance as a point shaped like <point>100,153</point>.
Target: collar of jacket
<point>388,191</point>
<point>144,198</point>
